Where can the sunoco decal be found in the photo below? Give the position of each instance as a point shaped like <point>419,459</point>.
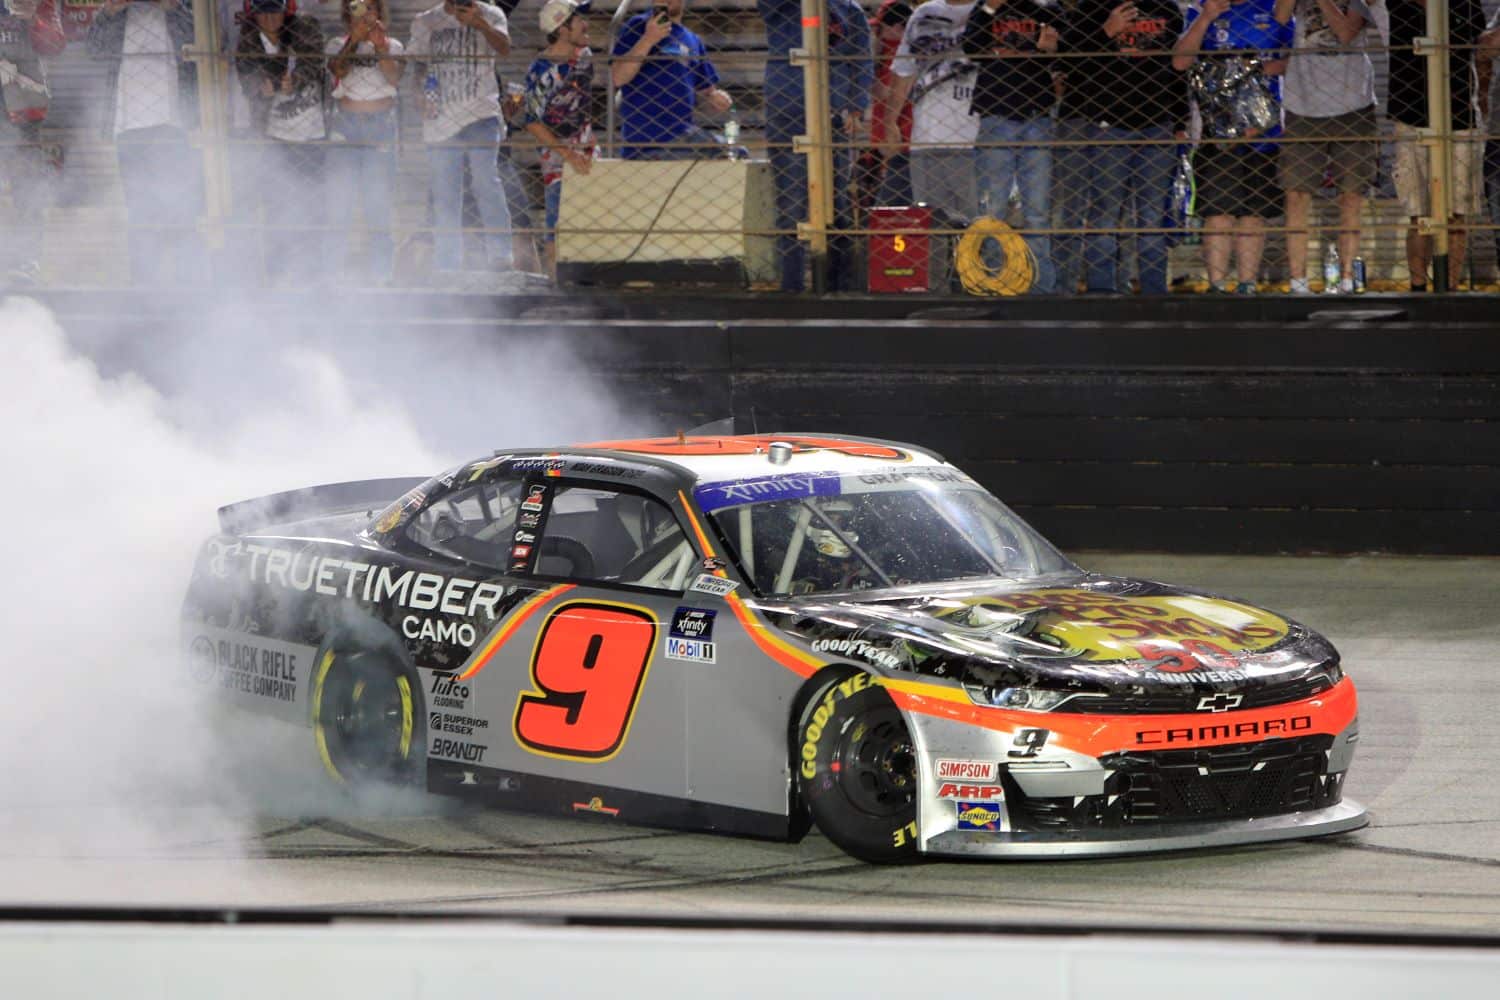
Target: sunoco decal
<point>986,816</point>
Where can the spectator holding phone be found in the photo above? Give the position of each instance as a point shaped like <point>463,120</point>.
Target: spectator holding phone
<point>365,64</point>
<point>557,105</point>
<point>281,70</point>
<point>456,45</point>
<point>662,72</point>
<point>28,31</point>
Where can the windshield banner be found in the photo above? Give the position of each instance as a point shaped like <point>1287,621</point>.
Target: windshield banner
<point>763,489</point>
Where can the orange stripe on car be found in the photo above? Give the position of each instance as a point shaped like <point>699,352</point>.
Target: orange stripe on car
<point>1328,713</point>
<point>798,662</point>
<point>508,627</point>
<point>708,550</point>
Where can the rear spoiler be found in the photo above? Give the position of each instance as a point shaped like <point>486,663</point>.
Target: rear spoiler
<point>314,501</point>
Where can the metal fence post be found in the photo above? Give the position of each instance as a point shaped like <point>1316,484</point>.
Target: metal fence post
<point>213,130</point>
<point>817,140</point>
<point>1438,138</point>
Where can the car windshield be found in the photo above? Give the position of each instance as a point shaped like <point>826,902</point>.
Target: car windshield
<point>809,534</point>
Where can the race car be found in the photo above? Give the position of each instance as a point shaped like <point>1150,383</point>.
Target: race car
<point>756,633</point>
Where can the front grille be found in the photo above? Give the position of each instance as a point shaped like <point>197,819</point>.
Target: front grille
<point>1241,781</point>
<point>1185,698</point>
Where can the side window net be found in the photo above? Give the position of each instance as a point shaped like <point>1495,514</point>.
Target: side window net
<point>613,537</point>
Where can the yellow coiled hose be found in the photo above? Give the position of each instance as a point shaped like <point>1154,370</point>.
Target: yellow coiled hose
<point>1014,277</point>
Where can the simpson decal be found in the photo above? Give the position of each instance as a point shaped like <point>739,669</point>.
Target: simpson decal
<point>967,770</point>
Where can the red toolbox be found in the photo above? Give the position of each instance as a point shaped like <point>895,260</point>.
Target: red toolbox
<point>903,257</point>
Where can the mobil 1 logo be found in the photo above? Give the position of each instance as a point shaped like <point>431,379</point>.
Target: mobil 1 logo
<point>691,635</point>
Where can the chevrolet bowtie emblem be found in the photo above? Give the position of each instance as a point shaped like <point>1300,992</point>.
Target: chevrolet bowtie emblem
<point>1220,702</point>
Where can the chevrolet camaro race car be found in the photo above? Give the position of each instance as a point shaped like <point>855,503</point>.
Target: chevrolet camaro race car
<point>750,634</point>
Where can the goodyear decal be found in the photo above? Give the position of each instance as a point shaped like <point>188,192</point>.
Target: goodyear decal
<point>817,727</point>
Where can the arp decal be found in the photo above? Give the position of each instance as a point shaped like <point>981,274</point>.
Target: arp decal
<point>588,668</point>
<point>986,793</point>
<point>986,816</point>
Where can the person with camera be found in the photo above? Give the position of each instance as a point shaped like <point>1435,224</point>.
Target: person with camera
<point>153,99</point>
<point>28,31</point>
<point>365,64</point>
<point>557,100</point>
<point>1238,92</point>
<point>662,72</point>
<point>457,45</point>
<point>281,69</point>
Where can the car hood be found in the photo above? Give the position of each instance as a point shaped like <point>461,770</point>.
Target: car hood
<point>1088,632</point>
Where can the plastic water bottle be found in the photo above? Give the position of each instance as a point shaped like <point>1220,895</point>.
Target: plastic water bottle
<point>1180,212</point>
<point>431,95</point>
<point>1332,269</point>
<point>732,133</point>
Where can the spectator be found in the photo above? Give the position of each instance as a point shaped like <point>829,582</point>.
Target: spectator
<point>884,171</point>
<point>1330,97</point>
<point>850,73</point>
<point>1013,96</point>
<point>1239,98</point>
<point>1133,101</point>
<point>153,96</point>
<point>457,43</point>
<point>1408,108</point>
<point>280,63</point>
<point>662,72</point>
<point>28,31</point>
<point>557,105</point>
<point>931,69</point>
<point>365,63</point>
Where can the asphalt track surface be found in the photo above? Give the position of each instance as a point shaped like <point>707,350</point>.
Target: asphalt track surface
<point>1418,635</point>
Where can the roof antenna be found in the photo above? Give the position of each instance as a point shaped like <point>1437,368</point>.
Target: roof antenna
<point>754,427</point>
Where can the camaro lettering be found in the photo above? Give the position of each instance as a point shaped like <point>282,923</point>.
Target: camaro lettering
<point>1223,731</point>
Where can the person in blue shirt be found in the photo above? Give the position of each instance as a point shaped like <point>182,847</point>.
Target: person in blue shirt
<point>851,72</point>
<point>1237,182</point>
<point>662,72</point>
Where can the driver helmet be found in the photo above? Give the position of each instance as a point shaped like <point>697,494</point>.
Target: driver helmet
<point>826,541</point>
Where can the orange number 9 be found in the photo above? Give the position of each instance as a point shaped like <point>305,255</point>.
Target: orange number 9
<point>898,243</point>
<point>588,667</point>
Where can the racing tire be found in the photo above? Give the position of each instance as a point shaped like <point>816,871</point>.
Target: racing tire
<point>857,771</point>
<point>367,720</point>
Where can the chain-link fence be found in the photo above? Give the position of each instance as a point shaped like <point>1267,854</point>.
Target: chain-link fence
<point>1000,148</point>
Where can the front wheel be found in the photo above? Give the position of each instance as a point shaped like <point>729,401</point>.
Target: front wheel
<point>857,771</point>
<point>366,720</point>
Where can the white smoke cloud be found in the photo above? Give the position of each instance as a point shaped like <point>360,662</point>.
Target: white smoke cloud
<point>116,455</point>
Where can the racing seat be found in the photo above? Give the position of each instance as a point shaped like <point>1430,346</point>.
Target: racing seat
<point>564,556</point>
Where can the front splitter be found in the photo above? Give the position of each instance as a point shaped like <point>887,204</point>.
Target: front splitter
<point>1340,818</point>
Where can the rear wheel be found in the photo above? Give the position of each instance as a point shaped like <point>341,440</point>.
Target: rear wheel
<point>366,720</point>
<point>857,771</point>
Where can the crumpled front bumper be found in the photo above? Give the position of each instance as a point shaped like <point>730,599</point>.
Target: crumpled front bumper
<point>1338,818</point>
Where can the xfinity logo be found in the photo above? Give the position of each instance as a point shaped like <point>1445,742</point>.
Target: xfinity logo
<point>1220,702</point>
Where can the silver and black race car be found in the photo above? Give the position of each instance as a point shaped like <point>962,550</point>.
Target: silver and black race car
<point>748,634</point>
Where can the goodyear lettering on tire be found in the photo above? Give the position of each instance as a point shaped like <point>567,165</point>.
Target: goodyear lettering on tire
<point>817,724</point>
